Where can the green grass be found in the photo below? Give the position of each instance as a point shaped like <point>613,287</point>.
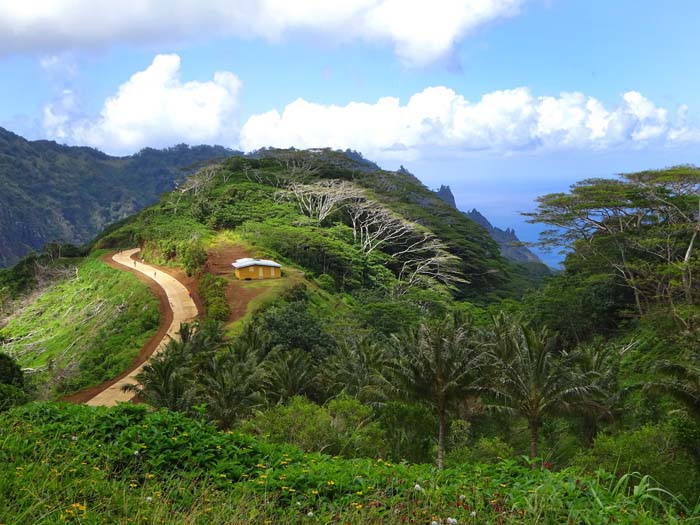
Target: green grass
<point>77,464</point>
<point>83,330</point>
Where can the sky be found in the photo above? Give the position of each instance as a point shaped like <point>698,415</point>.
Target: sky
<point>503,100</point>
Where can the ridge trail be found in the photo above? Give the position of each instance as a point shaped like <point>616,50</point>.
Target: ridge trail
<point>183,309</point>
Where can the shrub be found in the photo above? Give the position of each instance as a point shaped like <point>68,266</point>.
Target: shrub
<point>389,317</point>
<point>290,325</point>
<point>342,427</point>
<point>485,450</point>
<point>11,396</point>
<point>326,282</point>
<point>213,291</point>
<point>10,372</point>
<point>409,429</point>
<point>192,256</point>
<point>653,450</point>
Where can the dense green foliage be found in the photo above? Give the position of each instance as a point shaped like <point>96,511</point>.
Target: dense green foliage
<point>343,426</point>
<point>82,465</point>
<point>10,372</point>
<point>213,292</point>
<point>68,194</point>
<point>627,300</point>
<point>12,387</point>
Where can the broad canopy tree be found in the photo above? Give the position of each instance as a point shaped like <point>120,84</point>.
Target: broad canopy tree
<point>642,226</point>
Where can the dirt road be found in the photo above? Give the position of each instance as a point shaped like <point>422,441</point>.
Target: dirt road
<point>183,309</point>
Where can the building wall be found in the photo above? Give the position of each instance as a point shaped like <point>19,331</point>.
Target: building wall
<point>256,272</point>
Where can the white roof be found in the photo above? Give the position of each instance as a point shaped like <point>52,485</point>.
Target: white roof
<point>243,263</point>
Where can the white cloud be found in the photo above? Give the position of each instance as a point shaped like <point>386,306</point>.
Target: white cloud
<point>156,108</point>
<point>438,118</point>
<point>419,31</point>
<point>153,108</point>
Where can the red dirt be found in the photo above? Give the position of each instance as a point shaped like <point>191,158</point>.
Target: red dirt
<point>238,296</point>
<point>219,263</point>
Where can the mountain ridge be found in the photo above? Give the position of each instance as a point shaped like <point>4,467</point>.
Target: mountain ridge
<point>509,243</point>
<point>68,194</point>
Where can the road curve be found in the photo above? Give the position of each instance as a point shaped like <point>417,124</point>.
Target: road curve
<point>184,310</point>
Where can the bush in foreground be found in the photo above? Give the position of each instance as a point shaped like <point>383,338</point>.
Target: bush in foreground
<point>77,464</point>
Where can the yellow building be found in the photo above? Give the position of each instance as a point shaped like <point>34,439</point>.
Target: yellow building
<point>250,269</point>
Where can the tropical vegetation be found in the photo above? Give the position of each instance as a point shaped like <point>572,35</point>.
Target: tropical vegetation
<point>400,371</point>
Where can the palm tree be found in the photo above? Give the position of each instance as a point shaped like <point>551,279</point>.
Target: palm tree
<point>604,362</point>
<point>253,338</point>
<point>228,385</point>
<point>438,364</point>
<point>287,373</point>
<point>535,382</point>
<point>503,336</point>
<point>355,369</point>
<point>682,382</point>
<point>165,380</point>
<point>202,340</point>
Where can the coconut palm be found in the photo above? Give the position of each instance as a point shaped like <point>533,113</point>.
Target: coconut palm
<point>438,364</point>
<point>604,362</point>
<point>536,382</point>
<point>503,336</point>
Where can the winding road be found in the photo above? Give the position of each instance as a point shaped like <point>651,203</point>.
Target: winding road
<point>183,308</point>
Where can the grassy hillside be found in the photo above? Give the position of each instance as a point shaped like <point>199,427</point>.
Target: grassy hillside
<point>72,464</point>
<point>84,329</point>
<point>69,194</point>
<point>71,332</point>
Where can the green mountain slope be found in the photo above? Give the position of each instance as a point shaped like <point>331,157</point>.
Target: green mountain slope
<point>252,197</point>
<point>69,331</point>
<point>440,257</point>
<point>83,329</point>
<point>52,192</point>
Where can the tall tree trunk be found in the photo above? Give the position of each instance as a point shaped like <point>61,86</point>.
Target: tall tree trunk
<point>534,434</point>
<point>442,429</point>
<point>590,430</point>
<point>687,275</point>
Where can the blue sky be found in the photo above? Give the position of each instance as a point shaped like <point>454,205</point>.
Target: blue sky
<point>501,99</point>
